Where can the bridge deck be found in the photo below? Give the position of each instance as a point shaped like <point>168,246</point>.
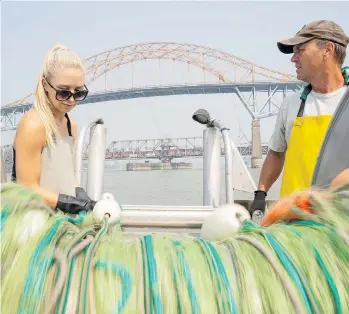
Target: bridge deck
<point>222,88</point>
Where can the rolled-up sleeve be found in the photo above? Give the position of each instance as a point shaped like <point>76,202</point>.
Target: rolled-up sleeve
<point>278,141</point>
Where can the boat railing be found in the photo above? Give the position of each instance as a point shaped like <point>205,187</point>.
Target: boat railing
<point>96,158</point>
<point>188,218</point>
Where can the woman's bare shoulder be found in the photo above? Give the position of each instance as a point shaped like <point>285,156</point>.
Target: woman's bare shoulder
<point>31,119</point>
<point>31,127</point>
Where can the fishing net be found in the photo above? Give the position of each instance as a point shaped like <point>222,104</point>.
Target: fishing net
<point>77,265</point>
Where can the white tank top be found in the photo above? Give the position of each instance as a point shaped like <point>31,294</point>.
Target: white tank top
<point>57,167</point>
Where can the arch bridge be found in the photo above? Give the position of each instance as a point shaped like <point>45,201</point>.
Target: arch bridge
<point>231,74</point>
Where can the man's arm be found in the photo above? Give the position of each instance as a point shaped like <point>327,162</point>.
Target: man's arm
<point>272,167</point>
<point>273,164</point>
<point>341,178</point>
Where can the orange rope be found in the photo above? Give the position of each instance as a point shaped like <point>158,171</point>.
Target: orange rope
<point>283,210</point>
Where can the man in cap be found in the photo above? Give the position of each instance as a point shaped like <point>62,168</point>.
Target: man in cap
<point>319,50</point>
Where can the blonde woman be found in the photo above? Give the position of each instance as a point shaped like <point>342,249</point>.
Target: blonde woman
<point>44,142</point>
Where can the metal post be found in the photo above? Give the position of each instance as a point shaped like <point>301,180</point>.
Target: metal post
<point>203,117</point>
<point>96,160</point>
<point>229,185</point>
<point>211,167</point>
<point>256,144</point>
<point>79,149</point>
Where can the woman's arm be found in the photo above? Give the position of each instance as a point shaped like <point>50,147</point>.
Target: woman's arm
<point>29,142</point>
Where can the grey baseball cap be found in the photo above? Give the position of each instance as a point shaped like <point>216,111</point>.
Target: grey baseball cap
<point>318,29</point>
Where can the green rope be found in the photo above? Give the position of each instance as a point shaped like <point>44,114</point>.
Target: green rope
<point>37,274</point>
<point>220,273</point>
<point>296,276</point>
<point>88,261</point>
<point>3,217</point>
<point>176,286</point>
<point>322,264</point>
<point>152,275</point>
<point>186,271</point>
<point>72,244</point>
<point>125,278</point>
<point>290,266</point>
<point>331,282</point>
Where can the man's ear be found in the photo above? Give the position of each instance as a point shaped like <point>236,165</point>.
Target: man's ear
<point>330,49</point>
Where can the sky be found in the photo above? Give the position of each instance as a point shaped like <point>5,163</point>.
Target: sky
<point>249,30</point>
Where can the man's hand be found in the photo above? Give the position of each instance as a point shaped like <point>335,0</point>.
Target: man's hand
<point>258,202</point>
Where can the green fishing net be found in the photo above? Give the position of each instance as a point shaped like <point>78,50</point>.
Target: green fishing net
<point>76,265</point>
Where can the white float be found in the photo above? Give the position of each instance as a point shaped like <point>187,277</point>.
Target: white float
<point>107,206</point>
<point>224,222</point>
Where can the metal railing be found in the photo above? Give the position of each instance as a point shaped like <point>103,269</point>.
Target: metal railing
<point>96,158</point>
<point>188,217</point>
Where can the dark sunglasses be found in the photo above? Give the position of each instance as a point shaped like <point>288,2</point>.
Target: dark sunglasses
<point>63,94</point>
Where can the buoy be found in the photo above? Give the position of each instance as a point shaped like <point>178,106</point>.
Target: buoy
<point>107,206</point>
<point>32,223</point>
<point>226,220</point>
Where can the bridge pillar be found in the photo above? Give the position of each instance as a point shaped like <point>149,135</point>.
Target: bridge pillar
<point>256,161</point>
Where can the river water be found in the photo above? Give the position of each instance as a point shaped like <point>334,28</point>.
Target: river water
<point>167,187</point>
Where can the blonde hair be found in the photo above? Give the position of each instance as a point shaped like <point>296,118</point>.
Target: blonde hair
<point>57,57</point>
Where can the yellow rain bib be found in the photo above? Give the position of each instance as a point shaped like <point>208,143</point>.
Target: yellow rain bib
<point>304,146</point>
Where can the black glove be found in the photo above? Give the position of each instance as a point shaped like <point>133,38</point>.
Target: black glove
<point>73,205</point>
<point>81,193</point>
<point>258,202</point>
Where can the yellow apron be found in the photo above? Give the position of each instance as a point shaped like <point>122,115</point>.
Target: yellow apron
<point>304,146</point>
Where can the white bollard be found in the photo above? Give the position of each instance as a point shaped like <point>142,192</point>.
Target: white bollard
<point>211,167</point>
<point>96,161</point>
